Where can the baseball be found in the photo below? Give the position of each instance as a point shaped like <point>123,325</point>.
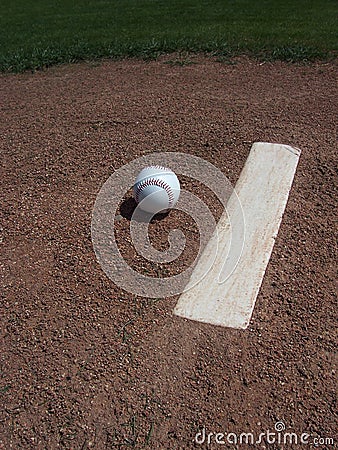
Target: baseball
<point>156,189</point>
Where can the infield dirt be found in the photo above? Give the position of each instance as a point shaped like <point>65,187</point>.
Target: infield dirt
<point>86,365</point>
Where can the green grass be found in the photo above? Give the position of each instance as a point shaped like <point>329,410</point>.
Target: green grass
<point>39,33</point>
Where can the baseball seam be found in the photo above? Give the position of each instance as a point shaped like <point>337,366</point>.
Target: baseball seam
<point>155,182</point>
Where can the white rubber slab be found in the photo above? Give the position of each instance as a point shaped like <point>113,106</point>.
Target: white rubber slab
<point>262,189</point>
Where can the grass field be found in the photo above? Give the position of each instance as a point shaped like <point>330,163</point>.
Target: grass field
<point>38,33</point>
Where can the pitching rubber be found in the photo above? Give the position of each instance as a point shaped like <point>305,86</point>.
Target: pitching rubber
<point>263,189</point>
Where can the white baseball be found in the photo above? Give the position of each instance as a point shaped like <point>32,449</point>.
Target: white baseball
<point>156,189</point>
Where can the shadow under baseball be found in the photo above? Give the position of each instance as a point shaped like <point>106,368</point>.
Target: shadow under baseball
<point>128,207</point>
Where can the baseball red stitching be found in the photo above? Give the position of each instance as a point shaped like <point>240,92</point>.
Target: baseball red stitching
<point>155,182</point>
